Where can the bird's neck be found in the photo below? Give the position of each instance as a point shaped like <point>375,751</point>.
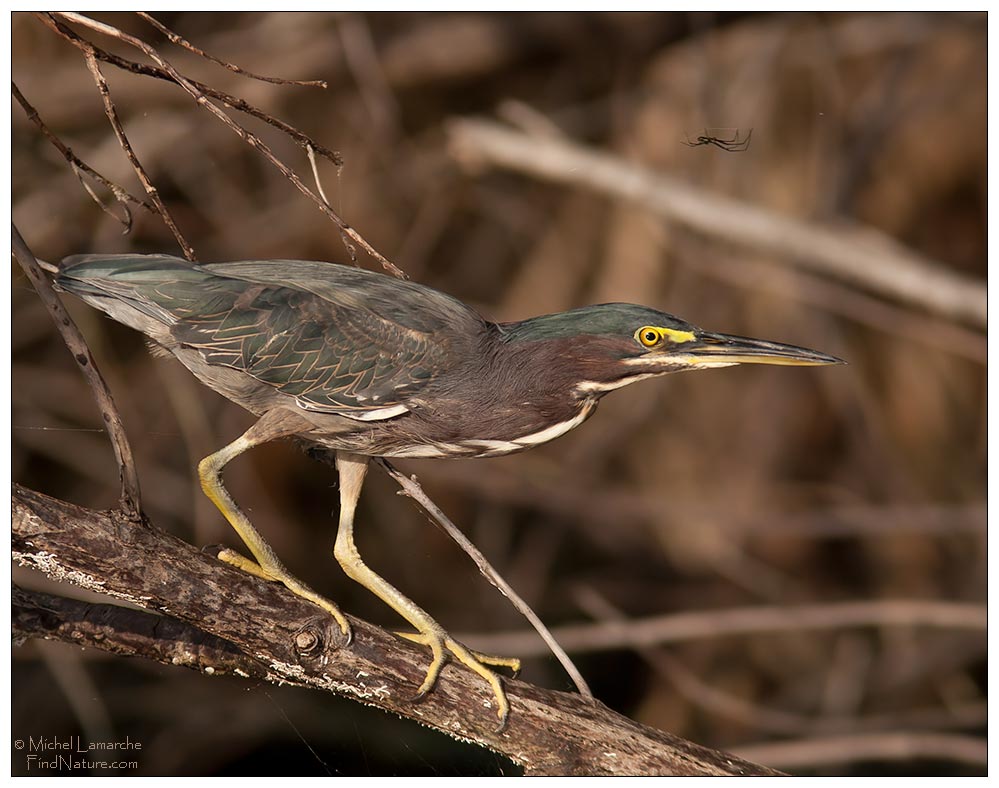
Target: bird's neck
<point>573,366</point>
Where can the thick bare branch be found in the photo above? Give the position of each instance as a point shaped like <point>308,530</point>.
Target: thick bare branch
<point>861,256</point>
<point>548,733</point>
<point>128,632</point>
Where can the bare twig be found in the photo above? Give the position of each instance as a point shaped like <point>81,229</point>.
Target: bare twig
<point>182,42</point>
<point>140,171</point>
<point>130,500</point>
<point>858,255</point>
<point>251,139</point>
<point>412,489</point>
<point>310,151</point>
<point>120,192</point>
<point>126,220</point>
<point>548,733</point>
<point>233,102</point>
<point>677,627</point>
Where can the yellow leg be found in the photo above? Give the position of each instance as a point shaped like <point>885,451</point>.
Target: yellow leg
<point>275,424</point>
<point>352,469</point>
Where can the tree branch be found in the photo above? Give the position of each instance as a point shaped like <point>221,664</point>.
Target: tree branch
<point>120,192</point>
<point>130,500</point>
<point>548,733</point>
<point>127,632</point>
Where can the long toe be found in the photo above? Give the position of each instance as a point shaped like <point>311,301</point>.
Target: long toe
<point>471,660</point>
<point>442,644</point>
<point>511,663</point>
<point>300,589</point>
<point>281,575</point>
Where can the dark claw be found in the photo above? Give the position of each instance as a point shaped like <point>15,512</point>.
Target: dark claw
<point>503,721</point>
<point>423,693</point>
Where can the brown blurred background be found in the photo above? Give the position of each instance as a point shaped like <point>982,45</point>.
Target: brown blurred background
<point>737,488</point>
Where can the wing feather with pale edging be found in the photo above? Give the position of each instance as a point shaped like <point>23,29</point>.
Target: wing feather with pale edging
<point>332,354</point>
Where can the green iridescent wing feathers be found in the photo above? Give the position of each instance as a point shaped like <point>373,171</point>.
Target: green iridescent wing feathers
<point>340,340</point>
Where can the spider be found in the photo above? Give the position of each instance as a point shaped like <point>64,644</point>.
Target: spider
<point>734,145</point>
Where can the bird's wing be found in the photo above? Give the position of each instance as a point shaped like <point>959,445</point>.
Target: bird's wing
<point>337,339</point>
<point>331,357</point>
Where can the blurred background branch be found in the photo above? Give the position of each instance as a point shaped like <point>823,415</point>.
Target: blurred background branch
<point>857,255</point>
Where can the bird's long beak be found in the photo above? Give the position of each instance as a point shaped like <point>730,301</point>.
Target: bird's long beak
<point>710,350</point>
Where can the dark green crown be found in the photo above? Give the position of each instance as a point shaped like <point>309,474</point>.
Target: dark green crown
<point>621,320</point>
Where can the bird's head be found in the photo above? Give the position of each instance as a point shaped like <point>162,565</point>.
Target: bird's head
<point>612,345</point>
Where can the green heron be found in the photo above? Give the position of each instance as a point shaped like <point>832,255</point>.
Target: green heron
<point>373,366</point>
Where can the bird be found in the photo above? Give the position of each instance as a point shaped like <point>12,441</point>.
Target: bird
<point>369,365</point>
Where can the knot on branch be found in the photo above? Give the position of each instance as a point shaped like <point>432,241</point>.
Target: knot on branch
<point>315,640</point>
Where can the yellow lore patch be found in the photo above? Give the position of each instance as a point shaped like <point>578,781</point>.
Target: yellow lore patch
<point>675,335</point>
<point>650,336</point>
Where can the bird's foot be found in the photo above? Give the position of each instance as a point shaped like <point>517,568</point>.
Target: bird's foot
<point>298,588</point>
<point>441,644</point>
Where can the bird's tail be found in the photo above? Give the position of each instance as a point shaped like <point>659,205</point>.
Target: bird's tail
<point>125,285</point>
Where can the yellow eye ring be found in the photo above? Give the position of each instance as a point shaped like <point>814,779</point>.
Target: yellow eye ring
<point>650,336</point>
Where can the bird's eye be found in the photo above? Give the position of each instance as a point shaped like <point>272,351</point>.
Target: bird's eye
<point>649,336</point>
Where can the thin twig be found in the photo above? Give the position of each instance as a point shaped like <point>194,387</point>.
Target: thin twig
<point>130,501</point>
<point>247,136</point>
<point>859,255</point>
<point>698,625</point>
<point>310,151</point>
<point>182,42</point>
<point>140,171</point>
<point>230,101</point>
<point>412,489</point>
<point>120,192</point>
<point>126,221</point>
